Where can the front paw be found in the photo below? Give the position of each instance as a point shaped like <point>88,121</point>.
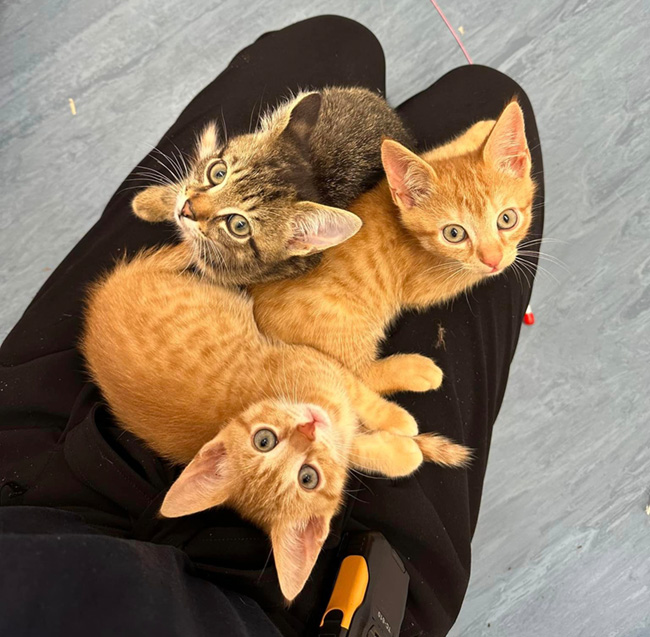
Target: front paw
<point>419,373</point>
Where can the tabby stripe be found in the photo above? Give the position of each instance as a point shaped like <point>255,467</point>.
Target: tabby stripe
<point>245,177</point>
<point>255,249</point>
<point>275,194</point>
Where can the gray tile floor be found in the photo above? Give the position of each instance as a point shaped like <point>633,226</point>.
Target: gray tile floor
<point>563,544</point>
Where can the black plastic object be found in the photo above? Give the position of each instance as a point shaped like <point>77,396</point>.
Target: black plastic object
<point>369,595</point>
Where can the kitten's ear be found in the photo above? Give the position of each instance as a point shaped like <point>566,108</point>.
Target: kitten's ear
<point>295,551</point>
<point>506,148</point>
<point>410,178</point>
<point>207,142</point>
<point>317,227</point>
<point>203,484</point>
<point>155,203</point>
<point>303,118</point>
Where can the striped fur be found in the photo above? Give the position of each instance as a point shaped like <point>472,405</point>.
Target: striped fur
<point>319,147</point>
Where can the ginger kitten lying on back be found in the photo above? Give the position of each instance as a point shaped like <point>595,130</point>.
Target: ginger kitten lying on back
<point>438,225</point>
<point>267,428</point>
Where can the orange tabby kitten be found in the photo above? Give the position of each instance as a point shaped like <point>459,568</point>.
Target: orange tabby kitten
<point>438,225</point>
<point>269,429</point>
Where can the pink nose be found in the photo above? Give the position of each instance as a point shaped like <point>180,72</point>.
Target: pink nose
<point>186,211</point>
<point>308,430</point>
<point>491,259</point>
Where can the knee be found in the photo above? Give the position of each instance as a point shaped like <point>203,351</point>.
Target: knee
<point>341,29</point>
<point>496,84</point>
<point>340,43</point>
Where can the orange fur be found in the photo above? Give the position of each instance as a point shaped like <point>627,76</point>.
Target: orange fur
<point>184,366</point>
<point>400,259</point>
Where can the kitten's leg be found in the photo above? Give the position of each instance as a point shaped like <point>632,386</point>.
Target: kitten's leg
<point>377,413</point>
<point>399,456</point>
<point>403,372</point>
<point>385,453</point>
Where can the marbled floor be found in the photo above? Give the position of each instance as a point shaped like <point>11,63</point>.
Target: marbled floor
<point>563,543</point>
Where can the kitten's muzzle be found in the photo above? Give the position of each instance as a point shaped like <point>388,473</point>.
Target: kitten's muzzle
<point>491,259</point>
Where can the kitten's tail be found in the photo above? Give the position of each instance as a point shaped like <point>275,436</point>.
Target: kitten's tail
<point>441,450</point>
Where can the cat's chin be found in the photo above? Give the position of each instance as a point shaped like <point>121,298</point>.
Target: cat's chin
<point>486,273</point>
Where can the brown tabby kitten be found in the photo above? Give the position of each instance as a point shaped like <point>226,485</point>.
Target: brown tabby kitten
<point>267,428</point>
<point>263,206</point>
<point>440,224</point>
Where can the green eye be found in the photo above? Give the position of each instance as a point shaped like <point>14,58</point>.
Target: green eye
<point>238,226</point>
<point>308,477</point>
<point>507,219</point>
<point>216,172</point>
<point>265,440</point>
<point>454,234</point>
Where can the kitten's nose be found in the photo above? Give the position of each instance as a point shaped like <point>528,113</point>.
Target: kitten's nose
<point>491,259</point>
<point>187,211</point>
<point>308,430</point>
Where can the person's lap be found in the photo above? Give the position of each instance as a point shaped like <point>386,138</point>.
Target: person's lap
<point>430,518</point>
<point>61,578</point>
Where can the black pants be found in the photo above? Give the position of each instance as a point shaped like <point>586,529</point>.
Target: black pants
<point>83,551</point>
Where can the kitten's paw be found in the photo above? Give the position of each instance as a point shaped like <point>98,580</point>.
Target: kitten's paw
<point>387,454</point>
<point>399,421</point>
<point>419,373</point>
<point>406,458</point>
<point>403,372</point>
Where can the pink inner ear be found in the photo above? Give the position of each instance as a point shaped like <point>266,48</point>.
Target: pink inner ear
<point>322,228</point>
<point>396,165</point>
<point>410,178</point>
<point>202,484</point>
<point>506,147</point>
<point>296,550</point>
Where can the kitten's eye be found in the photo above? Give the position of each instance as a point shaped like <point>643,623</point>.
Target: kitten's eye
<point>216,172</point>
<point>238,225</point>
<point>507,219</point>
<point>454,234</point>
<point>308,477</point>
<point>265,440</point>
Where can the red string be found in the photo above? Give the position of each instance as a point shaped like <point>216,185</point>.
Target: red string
<point>453,31</point>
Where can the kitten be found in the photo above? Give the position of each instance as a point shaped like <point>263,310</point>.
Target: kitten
<point>267,428</point>
<point>263,206</point>
<point>438,225</point>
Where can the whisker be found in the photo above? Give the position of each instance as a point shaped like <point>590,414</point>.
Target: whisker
<point>185,169</point>
<point>518,267</point>
<point>152,172</point>
<point>225,129</point>
<point>539,268</point>
<point>265,565</point>
<point>515,271</point>
<point>144,170</point>
<point>542,255</point>
<point>174,176</point>
<point>174,163</point>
